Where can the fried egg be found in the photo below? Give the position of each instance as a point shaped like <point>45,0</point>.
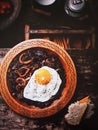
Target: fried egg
<point>43,84</point>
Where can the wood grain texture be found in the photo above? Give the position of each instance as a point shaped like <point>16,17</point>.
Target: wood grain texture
<point>86,62</point>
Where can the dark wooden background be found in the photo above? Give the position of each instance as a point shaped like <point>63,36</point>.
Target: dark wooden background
<point>86,62</point>
<point>15,32</point>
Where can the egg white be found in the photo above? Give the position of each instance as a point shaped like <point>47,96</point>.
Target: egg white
<point>42,93</point>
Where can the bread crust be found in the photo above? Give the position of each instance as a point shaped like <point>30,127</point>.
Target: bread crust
<point>76,111</point>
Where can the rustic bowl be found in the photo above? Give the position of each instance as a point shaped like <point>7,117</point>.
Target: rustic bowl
<point>67,92</point>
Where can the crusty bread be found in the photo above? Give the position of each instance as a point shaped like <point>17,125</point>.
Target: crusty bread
<point>76,111</point>
<point>85,100</point>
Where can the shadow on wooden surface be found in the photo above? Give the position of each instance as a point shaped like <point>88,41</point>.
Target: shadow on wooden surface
<point>86,62</point>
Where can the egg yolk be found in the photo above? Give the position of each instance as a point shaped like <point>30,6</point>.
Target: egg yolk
<point>43,76</point>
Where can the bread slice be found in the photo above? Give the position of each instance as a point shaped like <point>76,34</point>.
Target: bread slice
<point>76,111</point>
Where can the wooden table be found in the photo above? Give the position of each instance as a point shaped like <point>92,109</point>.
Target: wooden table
<point>86,62</point>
